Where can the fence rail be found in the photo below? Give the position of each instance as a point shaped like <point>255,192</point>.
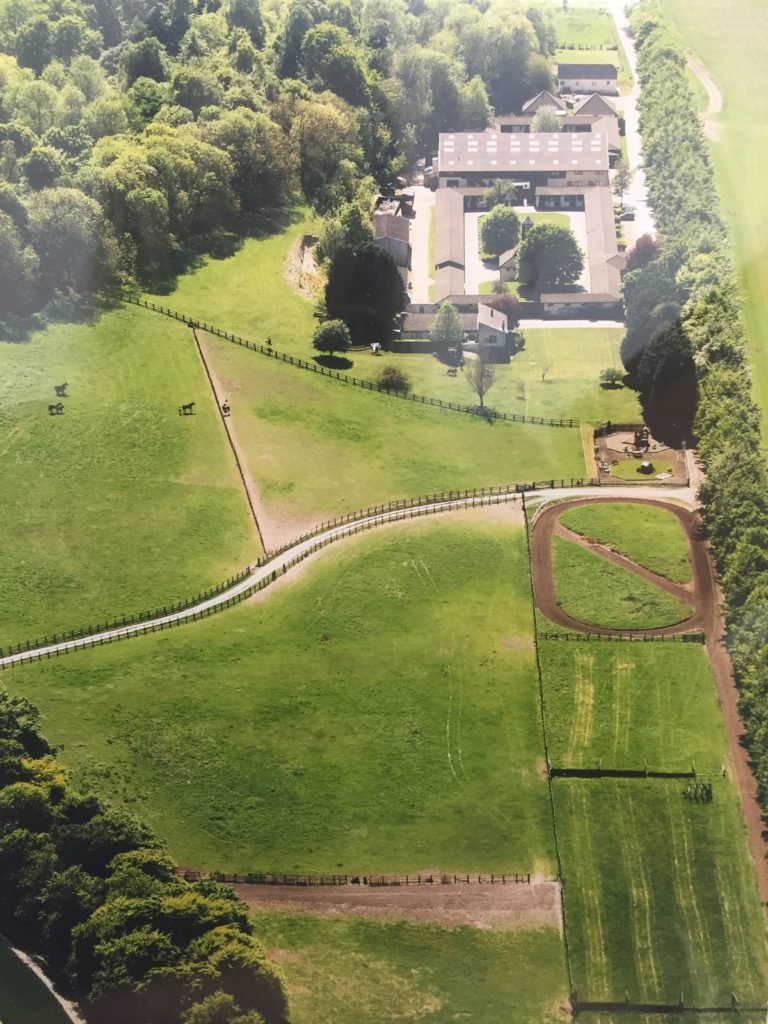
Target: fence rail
<point>694,637</point>
<point>423,505</point>
<point>366,385</point>
<point>370,881</point>
<point>618,773</point>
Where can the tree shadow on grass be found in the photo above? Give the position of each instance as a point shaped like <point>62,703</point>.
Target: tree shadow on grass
<point>334,362</point>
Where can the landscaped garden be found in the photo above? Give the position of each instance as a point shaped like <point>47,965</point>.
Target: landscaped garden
<point>119,504</point>
<point>649,535</point>
<point>380,713</point>
<point>597,592</point>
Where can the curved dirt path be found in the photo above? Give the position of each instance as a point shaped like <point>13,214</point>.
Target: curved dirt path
<point>706,616</point>
<point>714,100</point>
<point>701,595</point>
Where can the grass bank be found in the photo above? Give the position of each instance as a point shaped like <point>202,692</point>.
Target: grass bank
<point>734,49</point>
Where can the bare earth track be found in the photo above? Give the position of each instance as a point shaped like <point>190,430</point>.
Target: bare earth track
<point>501,907</point>
<point>706,617</point>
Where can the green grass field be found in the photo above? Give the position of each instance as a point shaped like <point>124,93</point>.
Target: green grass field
<point>555,374</point>
<point>661,897</point>
<point>595,591</point>
<point>585,27</point>
<point>352,970</point>
<point>627,704</point>
<point>120,504</point>
<point>317,447</point>
<point>648,535</point>
<point>733,46</point>
<point>24,999</point>
<point>381,713</point>
<point>249,294</point>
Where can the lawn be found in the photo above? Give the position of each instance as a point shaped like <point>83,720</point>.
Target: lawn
<point>597,592</point>
<point>317,447</point>
<point>555,374</point>
<point>378,714</point>
<point>629,470</point>
<point>648,535</point>
<point>661,897</point>
<point>351,970</point>
<point>120,504</point>
<point>584,27</point>
<point>628,704</point>
<point>23,998</point>
<point>733,46</point>
<point>249,294</point>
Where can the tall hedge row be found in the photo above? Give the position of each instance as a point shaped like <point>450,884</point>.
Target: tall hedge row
<point>690,290</point>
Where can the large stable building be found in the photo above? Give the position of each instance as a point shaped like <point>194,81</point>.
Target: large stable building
<point>472,159</point>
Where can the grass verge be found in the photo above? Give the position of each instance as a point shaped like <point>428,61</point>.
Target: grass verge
<point>23,998</point>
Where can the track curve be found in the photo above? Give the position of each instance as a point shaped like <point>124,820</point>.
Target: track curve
<point>702,595</point>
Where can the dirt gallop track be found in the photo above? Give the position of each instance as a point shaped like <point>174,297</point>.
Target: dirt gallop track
<point>704,598</point>
<point>701,595</point>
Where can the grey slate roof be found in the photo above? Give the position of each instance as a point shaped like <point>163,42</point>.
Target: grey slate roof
<point>606,71</point>
<point>493,152</point>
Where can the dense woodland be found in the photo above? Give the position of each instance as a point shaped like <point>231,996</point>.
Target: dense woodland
<point>136,135</point>
<point>685,331</point>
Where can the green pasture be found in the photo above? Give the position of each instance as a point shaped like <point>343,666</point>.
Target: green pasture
<point>578,26</point>
<point>661,898</point>
<point>379,713</point>
<point>317,447</point>
<point>556,374</point>
<point>734,49</point>
<point>626,705</point>
<point>23,998</point>
<point>350,970</point>
<point>249,294</point>
<point>595,591</point>
<point>120,504</point>
<point>647,534</point>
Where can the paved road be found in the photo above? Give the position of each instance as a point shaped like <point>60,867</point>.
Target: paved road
<point>637,195</point>
<point>421,272</point>
<point>475,269</point>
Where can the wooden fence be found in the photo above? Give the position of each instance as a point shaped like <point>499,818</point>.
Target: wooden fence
<point>695,637</point>
<point>371,881</point>
<point>400,509</point>
<point>366,385</point>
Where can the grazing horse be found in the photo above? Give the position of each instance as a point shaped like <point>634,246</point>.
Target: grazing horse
<point>187,410</point>
<point>225,409</point>
<point>61,390</point>
<point>56,410</point>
